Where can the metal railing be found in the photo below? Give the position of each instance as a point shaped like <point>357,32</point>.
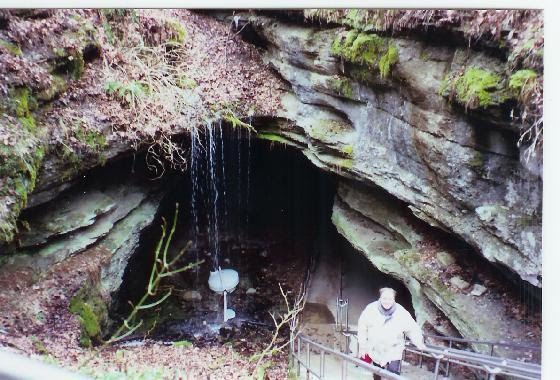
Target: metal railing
<point>490,365</point>
<point>449,341</point>
<point>491,344</point>
<point>303,359</point>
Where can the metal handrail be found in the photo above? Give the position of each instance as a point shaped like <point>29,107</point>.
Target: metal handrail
<point>476,355</point>
<point>323,350</point>
<point>491,365</point>
<point>484,342</point>
<point>463,340</point>
<point>488,363</point>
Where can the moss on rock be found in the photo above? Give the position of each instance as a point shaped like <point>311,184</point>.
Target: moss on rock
<point>475,88</point>
<point>57,87</point>
<point>178,32</point>
<point>273,138</point>
<point>522,84</point>
<point>69,62</point>
<point>22,102</point>
<point>184,81</point>
<point>229,116</point>
<point>11,48</point>
<point>341,86</point>
<point>92,139</point>
<point>387,61</point>
<point>348,150</point>
<point>366,49</point>
<point>21,154</point>
<point>520,78</point>
<point>91,311</point>
<point>323,128</point>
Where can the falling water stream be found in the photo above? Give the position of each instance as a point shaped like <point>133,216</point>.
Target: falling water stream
<point>213,228</point>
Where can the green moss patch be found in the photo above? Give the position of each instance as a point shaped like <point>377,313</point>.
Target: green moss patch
<point>128,92</point>
<point>91,311</point>
<point>475,88</point>
<point>90,145</point>
<point>521,79</point>
<point>366,49</point>
<point>322,129</point>
<point>20,162</point>
<point>348,150</point>
<point>178,32</point>
<point>273,137</point>
<point>93,139</point>
<point>9,47</point>
<point>186,82</point>
<point>344,163</point>
<point>57,87</point>
<point>22,102</point>
<point>182,343</point>
<point>230,117</point>
<point>341,86</point>
<point>69,62</point>
<point>387,61</point>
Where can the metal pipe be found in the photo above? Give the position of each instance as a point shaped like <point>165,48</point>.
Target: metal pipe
<point>225,306</point>
<point>467,361</point>
<point>308,361</point>
<point>298,356</point>
<point>322,361</point>
<point>347,314</point>
<point>436,370</point>
<point>447,367</point>
<point>485,342</point>
<point>376,370</point>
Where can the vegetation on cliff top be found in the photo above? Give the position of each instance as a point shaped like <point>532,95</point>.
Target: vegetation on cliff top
<point>83,79</point>
<point>518,33</point>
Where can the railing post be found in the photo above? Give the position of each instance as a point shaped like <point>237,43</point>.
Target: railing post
<point>436,370</point>
<point>308,361</point>
<point>298,356</point>
<point>438,361</point>
<point>492,372</point>
<point>322,370</point>
<point>347,307</point>
<point>447,367</point>
<point>490,377</point>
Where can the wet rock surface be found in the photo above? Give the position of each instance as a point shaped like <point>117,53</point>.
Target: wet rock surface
<point>459,173</point>
<point>396,244</point>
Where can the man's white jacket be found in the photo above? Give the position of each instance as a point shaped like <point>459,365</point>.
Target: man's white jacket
<point>384,341</point>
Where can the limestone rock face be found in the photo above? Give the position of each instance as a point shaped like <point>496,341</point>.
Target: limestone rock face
<point>109,217</point>
<point>458,171</point>
<point>392,239</point>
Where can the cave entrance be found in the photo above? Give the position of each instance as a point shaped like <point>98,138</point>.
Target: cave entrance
<point>264,210</point>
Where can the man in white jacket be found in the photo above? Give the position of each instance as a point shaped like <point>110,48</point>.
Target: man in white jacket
<point>380,332</point>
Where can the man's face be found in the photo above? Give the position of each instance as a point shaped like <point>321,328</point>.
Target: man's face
<point>387,300</point>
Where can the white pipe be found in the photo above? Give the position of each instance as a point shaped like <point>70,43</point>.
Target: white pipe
<point>225,306</point>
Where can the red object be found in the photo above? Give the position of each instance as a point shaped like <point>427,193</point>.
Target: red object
<point>367,359</point>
